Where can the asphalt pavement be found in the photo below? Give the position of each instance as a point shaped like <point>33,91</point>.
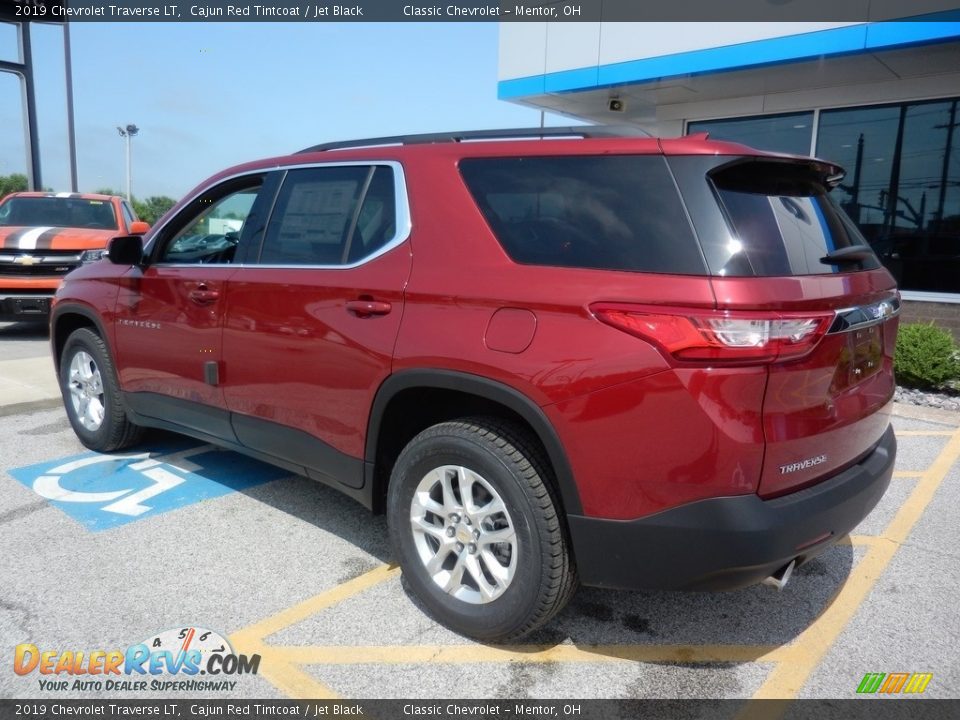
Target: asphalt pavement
<point>26,368</point>
<point>101,553</point>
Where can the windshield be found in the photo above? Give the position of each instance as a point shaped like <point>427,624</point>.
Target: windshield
<point>58,212</point>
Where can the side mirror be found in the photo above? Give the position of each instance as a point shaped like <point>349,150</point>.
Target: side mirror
<point>139,227</point>
<point>125,250</point>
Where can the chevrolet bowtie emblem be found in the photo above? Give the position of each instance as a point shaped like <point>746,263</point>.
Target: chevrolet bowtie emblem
<point>25,260</point>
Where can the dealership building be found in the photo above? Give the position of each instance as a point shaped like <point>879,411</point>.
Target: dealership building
<point>879,98</point>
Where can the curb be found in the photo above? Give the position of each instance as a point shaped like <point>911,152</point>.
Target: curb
<point>928,414</point>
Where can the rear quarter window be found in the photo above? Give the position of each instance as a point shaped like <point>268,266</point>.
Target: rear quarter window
<point>600,212</point>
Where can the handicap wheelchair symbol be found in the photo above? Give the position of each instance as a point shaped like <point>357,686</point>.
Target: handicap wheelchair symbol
<point>104,491</point>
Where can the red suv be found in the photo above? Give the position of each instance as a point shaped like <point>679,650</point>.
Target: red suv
<point>620,361</point>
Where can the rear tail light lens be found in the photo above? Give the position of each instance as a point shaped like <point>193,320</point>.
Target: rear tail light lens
<point>723,337</point>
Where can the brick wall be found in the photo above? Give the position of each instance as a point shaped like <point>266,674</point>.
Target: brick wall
<point>945,315</point>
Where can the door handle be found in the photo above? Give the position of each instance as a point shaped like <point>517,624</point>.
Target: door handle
<point>366,308</point>
<point>203,295</point>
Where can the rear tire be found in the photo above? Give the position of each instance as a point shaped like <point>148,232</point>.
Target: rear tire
<point>91,394</point>
<point>474,522</point>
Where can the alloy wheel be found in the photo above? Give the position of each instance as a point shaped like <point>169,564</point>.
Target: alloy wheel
<point>464,534</point>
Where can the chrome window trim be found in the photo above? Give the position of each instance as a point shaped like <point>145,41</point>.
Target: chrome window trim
<point>401,200</point>
<point>864,316</point>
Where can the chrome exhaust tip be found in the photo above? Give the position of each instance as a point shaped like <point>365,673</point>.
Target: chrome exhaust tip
<point>781,577</point>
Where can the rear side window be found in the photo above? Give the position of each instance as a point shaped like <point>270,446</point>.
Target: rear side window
<point>608,213</point>
<point>782,222</point>
<point>331,216</point>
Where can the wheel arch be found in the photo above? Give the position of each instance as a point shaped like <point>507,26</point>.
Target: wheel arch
<point>65,319</point>
<point>398,390</point>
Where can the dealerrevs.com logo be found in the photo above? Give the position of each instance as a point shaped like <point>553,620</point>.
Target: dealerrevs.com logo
<point>893,683</point>
<point>181,653</point>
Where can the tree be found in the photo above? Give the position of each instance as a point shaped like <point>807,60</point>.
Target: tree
<point>16,182</point>
<point>153,208</point>
<point>149,210</point>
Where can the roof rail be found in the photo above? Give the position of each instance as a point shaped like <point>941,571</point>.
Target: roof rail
<point>583,131</point>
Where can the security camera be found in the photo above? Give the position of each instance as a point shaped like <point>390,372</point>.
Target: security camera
<point>616,105</point>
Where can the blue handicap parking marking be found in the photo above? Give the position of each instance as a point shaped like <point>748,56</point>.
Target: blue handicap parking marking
<point>105,491</point>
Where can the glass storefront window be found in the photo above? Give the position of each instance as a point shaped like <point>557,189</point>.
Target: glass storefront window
<point>902,185</point>
<point>778,133</point>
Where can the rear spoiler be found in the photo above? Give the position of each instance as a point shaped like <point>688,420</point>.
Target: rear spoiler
<point>767,173</point>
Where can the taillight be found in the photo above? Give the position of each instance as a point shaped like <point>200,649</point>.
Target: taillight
<point>719,336</point>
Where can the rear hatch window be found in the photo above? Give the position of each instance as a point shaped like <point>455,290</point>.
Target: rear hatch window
<point>778,219</point>
<point>611,212</point>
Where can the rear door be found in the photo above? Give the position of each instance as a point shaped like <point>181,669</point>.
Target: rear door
<point>767,228</point>
<point>314,314</point>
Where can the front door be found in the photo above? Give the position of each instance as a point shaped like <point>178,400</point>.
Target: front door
<point>170,312</point>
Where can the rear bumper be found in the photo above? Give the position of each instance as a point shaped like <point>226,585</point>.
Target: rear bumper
<point>730,542</point>
<point>25,308</point>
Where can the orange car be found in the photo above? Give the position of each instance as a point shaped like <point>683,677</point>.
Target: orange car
<point>45,235</point>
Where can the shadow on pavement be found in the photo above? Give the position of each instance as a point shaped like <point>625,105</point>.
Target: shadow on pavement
<point>24,331</point>
<point>755,619</point>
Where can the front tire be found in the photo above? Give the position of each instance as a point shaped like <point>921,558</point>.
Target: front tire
<point>91,394</point>
<point>474,522</point>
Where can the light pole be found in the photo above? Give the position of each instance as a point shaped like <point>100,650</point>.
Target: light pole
<point>71,130</point>
<point>128,132</point>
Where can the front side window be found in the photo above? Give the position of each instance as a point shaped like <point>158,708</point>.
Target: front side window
<point>331,216</point>
<point>213,226</point>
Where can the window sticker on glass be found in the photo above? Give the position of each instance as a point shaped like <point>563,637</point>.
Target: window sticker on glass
<point>318,212</point>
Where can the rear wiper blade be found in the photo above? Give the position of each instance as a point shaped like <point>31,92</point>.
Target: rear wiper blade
<point>852,254</point>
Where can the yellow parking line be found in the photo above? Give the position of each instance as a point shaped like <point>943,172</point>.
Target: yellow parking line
<point>277,669</point>
<point>286,676</point>
<point>793,663</point>
<point>901,525</point>
<point>802,657</point>
<point>427,654</point>
<point>292,615</point>
<point>282,666</point>
<point>296,684</point>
